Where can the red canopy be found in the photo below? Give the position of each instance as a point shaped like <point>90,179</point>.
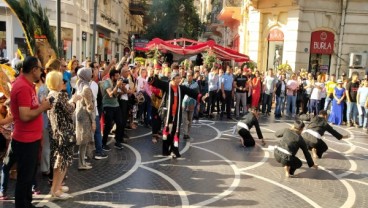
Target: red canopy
<point>187,47</point>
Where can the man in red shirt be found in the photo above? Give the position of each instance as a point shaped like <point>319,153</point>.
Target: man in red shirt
<point>27,133</point>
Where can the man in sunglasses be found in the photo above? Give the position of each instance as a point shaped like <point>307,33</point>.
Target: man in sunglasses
<point>28,128</point>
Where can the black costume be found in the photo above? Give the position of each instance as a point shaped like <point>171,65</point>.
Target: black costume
<point>288,147</point>
<point>173,120</point>
<point>314,132</point>
<point>244,130</point>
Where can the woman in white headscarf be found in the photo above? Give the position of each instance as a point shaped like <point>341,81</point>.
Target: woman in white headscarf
<point>85,113</point>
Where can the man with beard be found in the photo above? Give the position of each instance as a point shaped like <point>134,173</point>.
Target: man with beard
<point>174,94</point>
<point>112,111</point>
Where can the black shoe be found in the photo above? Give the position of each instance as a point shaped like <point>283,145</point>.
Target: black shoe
<point>186,137</point>
<point>106,148</point>
<point>118,146</point>
<point>100,156</point>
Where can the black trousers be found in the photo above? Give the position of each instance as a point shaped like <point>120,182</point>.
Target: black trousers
<point>247,138</point>
<point>288,160</point>
<point>313,142</point>
<point>26,156</point>
<point>211,101</point>
<point>156,121</point>
<point>124,114</point>
<point>227,102</point>
<point>113,114</point>
<point>168,144</point>
<point>267,102</point>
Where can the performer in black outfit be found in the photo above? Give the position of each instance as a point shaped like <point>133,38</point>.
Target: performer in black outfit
<point>174,94</point>
<point>314,132</point>
<point>243,128</point>
<point>289,145</point>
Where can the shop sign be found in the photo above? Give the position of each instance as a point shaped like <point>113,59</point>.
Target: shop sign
<point>101,35</point>
<point>322,42</point>
<point>276,35</point>
<point>141,43</point>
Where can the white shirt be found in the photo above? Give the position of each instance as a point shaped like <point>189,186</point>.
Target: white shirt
<point>316,93</point>
<point>125,96</point>
<point>94,88</point>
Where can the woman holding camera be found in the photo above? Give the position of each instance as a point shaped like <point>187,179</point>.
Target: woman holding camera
<point>62,131</point>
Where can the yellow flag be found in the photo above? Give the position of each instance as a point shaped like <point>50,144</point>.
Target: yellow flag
<point>20,54</point>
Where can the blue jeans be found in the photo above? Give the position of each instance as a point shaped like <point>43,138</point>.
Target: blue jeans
<point>363,118</point>
<point>291,101</point>
<point>327,103</point>
<point>280,106</point>
<point>314,106</point>
<point>351,112</point>
<point>98,136</point>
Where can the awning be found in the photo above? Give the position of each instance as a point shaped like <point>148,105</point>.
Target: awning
<point>179,46</point>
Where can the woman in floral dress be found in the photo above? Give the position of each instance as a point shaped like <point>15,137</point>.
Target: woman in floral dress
<point>62,131</point>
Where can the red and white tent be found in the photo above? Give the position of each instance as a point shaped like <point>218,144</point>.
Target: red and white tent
<point>186,47</point>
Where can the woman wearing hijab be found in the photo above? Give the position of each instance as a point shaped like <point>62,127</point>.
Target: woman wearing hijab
<point>85,113</point>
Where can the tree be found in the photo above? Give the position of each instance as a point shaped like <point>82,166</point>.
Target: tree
<point>167,17</point>
<point>34,21</point>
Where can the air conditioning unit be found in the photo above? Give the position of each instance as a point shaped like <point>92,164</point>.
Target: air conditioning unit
<point>358,60</point>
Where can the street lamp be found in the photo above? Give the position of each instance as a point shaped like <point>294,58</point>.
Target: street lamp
<point>133,38</point>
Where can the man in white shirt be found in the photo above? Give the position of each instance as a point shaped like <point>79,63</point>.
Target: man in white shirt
<point>99,153</point>
<point>269,86</point>
<point>213,88</point>
<point>316,95</point>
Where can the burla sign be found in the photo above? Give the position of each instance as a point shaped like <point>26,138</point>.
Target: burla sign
<point>322,42</point>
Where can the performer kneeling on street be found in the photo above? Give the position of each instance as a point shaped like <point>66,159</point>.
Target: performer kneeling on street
<point>175,94</point>
<point>314,132</point>
<point>243,128</point>
<point>289,145</point>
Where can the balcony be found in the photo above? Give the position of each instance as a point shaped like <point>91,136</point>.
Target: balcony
<point>105,21</point>
<point>137,7</point>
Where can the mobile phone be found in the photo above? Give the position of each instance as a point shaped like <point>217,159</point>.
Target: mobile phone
<point>51,100</point>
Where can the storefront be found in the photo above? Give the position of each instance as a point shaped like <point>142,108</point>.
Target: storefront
<point>103,47</point>
<point>275,48</point>
<point>321,49</point>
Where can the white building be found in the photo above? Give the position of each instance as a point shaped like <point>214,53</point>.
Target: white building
<point>115,25</point>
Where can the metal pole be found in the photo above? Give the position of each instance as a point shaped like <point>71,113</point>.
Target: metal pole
<point>94,31</point>
<point>58,29</point>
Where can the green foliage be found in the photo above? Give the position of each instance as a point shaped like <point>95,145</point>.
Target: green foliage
<point>210,60</point>
<point>251,65</point>
<point>34,21</point>
<point>168,17</point>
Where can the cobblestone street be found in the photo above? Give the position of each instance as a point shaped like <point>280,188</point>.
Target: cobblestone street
<point>215,171</point>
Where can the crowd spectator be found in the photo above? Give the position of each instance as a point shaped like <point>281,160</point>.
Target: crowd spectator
<point>27,134</point>
<point>337,109</point>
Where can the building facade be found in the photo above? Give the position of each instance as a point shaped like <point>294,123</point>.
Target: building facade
<point>115,25</point>
<point>319,35</point>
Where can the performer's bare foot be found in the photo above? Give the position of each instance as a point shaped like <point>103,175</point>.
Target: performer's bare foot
<point>242,142</point>
<point>287,169</point>
<point>314,152</point>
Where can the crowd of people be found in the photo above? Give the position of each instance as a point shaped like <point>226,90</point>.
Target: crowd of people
<point>62,110</point>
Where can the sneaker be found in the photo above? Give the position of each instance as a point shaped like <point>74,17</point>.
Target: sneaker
<point>100,156</point>
<point>118,146</point>
<point>106,148</point>
<point>64,189</point>
<point>35,191</point>
<point>86,167</point>
<point>3,196</point>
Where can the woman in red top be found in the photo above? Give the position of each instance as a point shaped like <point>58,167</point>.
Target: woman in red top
<point>256,90</point>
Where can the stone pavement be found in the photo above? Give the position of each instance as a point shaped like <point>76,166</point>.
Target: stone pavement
<point>215,171</point>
